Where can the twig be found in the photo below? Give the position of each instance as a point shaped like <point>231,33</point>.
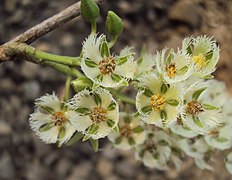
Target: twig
<point>49,24</point>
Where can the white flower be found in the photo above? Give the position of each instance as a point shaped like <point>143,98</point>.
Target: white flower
<point>174,67</point>
<point>158,103</point>
<point>155,152</point>
<point>198,115</point>
<point>96,113</point>
<point>202,164</point>
<point>103,68</point>
<point>131,132</point>
<point>146,64</point>
<point>50,120</point>
<point>220,138</point>
<point>228,162</point>
<point>227,111</point>
<point>204,54</point>
<point>183,131</point>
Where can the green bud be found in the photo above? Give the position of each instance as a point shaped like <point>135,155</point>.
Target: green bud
<point>89,10</point>
<point>114,25</point>
<point>81,83</point>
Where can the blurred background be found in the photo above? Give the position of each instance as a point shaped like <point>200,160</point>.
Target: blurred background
<point>156,23</point>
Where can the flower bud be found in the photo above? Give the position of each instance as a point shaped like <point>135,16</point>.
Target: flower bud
<point>81,83</point>
<point>89,10</point>
<point>114,25</point>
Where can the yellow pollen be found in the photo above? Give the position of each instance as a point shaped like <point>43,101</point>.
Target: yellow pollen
<point>59,118</point>
<point>194,108</point>
<point>98,114</point>
<point>171,70</point>
<point>125,131</point>
<point>107,65</point>
<point>157,102</point>
<point>199,61</point>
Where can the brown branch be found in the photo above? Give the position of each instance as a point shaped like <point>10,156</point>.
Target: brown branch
<point>49,24</point>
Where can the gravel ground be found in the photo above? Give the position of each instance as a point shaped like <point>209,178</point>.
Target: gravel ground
<point>156,23</point>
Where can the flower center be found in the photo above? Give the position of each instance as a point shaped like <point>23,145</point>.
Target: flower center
<point>98,114</point>
<point>125,131</point>
<point>107,65</point>
<point>151,147</point>
<point>171,70</point>
<point>157,102</point>
<point>194,108</point>
<point>59,118</point>
<point>200,61</point>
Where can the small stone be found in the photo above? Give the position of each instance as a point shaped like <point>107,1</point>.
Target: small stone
<point>31,90</point>
<point>29,70</point>
<point>186,12</point>
<point>63,167</point>
<point>7,170</point>
<point>80,172</point>
<point>5,128</point>
<point>104,167</point>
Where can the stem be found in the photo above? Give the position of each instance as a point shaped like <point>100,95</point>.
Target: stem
<point>67,88</point>
<point>122,97</point>
<point>76,72</point>
<point>93,27</point>
<point>59,67</point>
<point>113,41</point>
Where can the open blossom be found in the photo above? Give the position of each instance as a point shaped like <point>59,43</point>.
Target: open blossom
<point>204,54</point>
<point>146,64</point>
<point>197,114</point>
<point>183,130</point>
<point>131,132</point>
<point>51,120</point>
<point>155,152</point>
<point>102,67</point>
<point>96,113</point>
<point>158,103</point>
<point>174,66</point>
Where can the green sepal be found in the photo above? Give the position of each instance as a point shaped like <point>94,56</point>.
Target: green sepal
<point>116,78</point>
<point>164,88</point>
<point>97,99</point>
<point>222,139</point>
<point>146,109</point>
<point>197,93</point>
<point>122,60</point>
<point>46,127</point>
<point>118,140</point>
<point>208,76</point>
<point>209,55</point>
<point>90,63</point>
<point>112,106</point>
<point>47,109</point>
<point>89,10</point>
<point>75,138</point>
<point>209,107</point>
<point>163,116</point>
<point>127,119</point>
<point>189,50</point>
<point>147,92</point>
<point>172,102</point>
<point>94,144</point>
<point>93,128</point>
<point>83,111</point>
<point>163,143</point>
<point>104,48</point>
<point>116,129</point>
<point>110,123</point>
<point>182,70</point>
<point>131,141</point>
<point>197,121</point>
<point>61,135</point>
<point>81,83</point>
<point>138,129</point>
<point>99,77</point>
<point>169,57</point>
<point>114,24</point>
<point>85,138</point>
<point>141,153</point>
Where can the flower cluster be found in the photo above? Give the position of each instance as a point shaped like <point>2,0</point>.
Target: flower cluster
<point>179,109</point>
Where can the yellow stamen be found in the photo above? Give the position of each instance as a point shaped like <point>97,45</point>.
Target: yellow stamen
<point>199,61</point>
<point>125,131</point>
<point>157,102</point>
<point>98,114</point>
<point>107,65</point>
<point>59,118</point>
<point>194,108</point>
<point>171,70</point>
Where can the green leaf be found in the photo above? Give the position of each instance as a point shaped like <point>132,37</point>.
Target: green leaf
<point>112,106</point>
<point>172,102</point>
<point>90,63</point>
<point>197,93</point>
<point>83,111</point>
<point>222,139</point>
<point>118,140</point>
<point>209,107</point>
<point>110,123</point>
<point>81,83</point>
<point>147,92</point>
<point>182,70</point>
<point>104,49</point>
<point>116,78</point>
<point>89,10</point>
<point>45,127</point>
<point>131,141</point>
<point>95,144</point>
<point>164,88</point>
<point>114,24</point>
<point>197,121</point>
<point>127,119</point>
<point>75,138</point>
<point>122,60</point>
<point>138,129</point>
<point>97,99</point>
<point>146,109</point>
